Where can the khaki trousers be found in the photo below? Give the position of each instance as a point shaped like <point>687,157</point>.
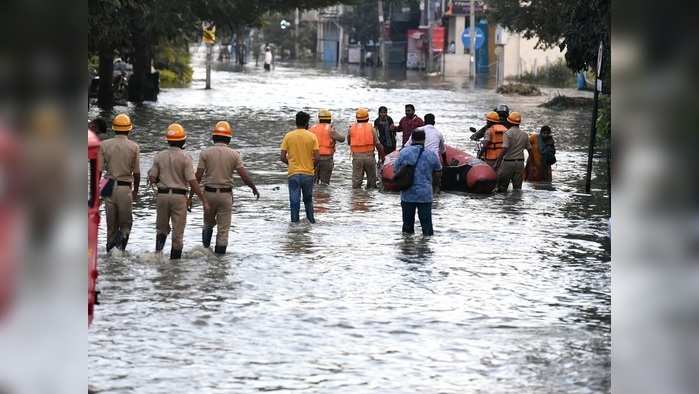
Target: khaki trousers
<point>325,169</point>
<point>118,211</point>
<point>510,171</point>
<point>363,164</point>
<point>219,214</point>
<point>171,207</point>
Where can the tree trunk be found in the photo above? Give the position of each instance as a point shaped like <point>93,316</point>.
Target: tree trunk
<point>240,53</point>
<point>141,67</point>
<point>105,96</point>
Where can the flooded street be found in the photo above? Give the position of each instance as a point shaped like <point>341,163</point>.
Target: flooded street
<point>511,295</point>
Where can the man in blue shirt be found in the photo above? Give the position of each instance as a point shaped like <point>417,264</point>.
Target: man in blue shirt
<point>419,195</point>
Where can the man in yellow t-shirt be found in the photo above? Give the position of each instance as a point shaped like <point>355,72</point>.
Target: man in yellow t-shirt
<point>300,152</point>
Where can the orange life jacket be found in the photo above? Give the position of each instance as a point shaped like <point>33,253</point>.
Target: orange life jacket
<point>361,137</point>
<point>325,139</point>
<point>494,146</point>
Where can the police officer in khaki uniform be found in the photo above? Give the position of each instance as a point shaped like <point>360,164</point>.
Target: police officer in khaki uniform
<point>216,166</point>
<point>510,161</point>
<point>363,140</point>
<point>120,157</point>
<point>172,170</point>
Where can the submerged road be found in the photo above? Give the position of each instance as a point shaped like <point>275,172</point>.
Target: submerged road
<point>512,294</point>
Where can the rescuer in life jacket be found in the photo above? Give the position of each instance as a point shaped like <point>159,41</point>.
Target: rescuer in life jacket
<point>363,140</point>
<point>327,137</point>
<point>492,141</point>
<point>503,112</point>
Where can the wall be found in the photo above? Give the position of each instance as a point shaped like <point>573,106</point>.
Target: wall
<point>521,56</point>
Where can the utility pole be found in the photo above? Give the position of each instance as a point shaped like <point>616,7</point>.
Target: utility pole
<point>472,21</point>
<point>209,37</point>
<point>593,131</point>
<point>382,52</point>
<point>209,56</point>
<point>296,35</point>
<point>428,9</point>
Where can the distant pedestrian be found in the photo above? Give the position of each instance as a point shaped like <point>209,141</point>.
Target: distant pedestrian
<point>172,172</point>
<point>419,195</point>
<point>269,59</point>
<point>409,123</point>
<point>327,137</point>
<point>386,130</point>
<point>542,157</point>
<point>434,142</point>
<point>300,151</point>
<point>216,167</point>
<point>510,161</point>
<point>363,142</point>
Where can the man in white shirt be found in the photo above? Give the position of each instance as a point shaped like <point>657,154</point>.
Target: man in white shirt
<point>268,59</point>
<point>434,142</point>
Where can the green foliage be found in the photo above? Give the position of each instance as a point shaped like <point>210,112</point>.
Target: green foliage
<point>173,64</point>
<point>555,74</point>
<point>576,26</point>
<point>604,118</point>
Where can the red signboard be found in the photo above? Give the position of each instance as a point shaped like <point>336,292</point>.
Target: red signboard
<point>438,39</point>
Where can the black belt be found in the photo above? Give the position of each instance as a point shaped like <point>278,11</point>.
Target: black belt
<point>166,190</point>
<point>123,183</point>
<point>514,159</point>
<point>220,190</point>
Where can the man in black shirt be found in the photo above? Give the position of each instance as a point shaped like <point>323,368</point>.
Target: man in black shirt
<point>386,130</point>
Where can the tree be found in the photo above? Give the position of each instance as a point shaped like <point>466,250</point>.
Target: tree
<point>576,26</point>
<point>137,26</point>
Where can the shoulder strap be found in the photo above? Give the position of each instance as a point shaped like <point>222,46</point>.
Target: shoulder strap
<point>418,156</point>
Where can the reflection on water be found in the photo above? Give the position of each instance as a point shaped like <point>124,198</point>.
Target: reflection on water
<point>511,294</point>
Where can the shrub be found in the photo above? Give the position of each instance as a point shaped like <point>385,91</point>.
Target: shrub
<point>520,89</point>
<point>561,103</point>
<point>604,118</point>
<point>554,74</point>
<point>173,64</point>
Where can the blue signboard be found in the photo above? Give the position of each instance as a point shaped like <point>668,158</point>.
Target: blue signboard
<point>466,38</point>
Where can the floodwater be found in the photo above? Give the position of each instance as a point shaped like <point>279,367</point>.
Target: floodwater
<point>511,295</point>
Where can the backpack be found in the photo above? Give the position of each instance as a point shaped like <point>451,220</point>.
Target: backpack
<point>406,175</point>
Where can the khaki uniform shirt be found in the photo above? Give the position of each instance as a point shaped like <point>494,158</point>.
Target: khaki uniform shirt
<point>517,140</point>
<point>120,157</point>
<point>219,162</point>
<point>172,168</point>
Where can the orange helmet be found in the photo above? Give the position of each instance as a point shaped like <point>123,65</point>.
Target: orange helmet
<point>122,122</point>
<point>492,116</point>
<point>223,129</point>
<point>515,118</point>
<point>362,114</point>
<point>175,132</point>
